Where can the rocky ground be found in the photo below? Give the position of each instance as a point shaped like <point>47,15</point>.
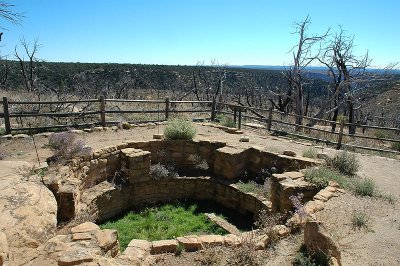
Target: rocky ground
<point>28,208</point>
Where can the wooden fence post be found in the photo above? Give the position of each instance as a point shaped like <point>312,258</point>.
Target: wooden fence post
<point>235,115</point>
<point>166,108</point>
<point>213,109</point>
<point>6,116</point>
<point>269,119</point>
<point>240,119</point>
<point>339,144</point>
<point>102,111</point>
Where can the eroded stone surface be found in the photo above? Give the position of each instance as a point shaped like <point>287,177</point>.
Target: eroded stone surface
<point>316,238</point>
<point>85,227</point>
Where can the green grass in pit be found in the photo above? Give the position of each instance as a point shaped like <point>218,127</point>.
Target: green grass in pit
<point>162,222</point>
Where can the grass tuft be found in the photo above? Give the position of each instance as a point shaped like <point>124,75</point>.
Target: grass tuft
<point>320,176</point>
<point>180,129</point>
<point>359,220</point>
<point>226,121</point>
<point>305,258</point>
<point>365,187</point>
<point>253,187</point>
<point>395,146</point>
<point>344,162</point>
<point>310,153</point>
<point>388,197</point>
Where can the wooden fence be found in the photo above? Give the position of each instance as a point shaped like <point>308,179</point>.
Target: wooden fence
<point>273,120</point>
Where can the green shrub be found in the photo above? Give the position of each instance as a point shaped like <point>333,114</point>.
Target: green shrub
<point>310,153</point>
<point>304,258</point>
<point>388,197</point>
<point>395,146</point>
<point>320,176</point>
<point>383,134</point>
<point>365,187</point>
<point>180,129</point>
<point>346,163</point>
<point>2,131</point>
<point>253,187</point>
<point>359,220</point>
<point>226,121</point>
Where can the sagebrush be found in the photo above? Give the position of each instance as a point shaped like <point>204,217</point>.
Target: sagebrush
<point>320,176</point>
<point>180,129</point>
<point>226,121</point>
<point>67,145</point>
<point>345,162</point>
<point>365,187</point>
<point>310,153</point>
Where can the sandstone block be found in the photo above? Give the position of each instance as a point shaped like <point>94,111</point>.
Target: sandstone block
<point>314,206</point>
<point>140,244</point>
<point>85,227</point>
<point>326,194</point>
<point>294,175</point>
<point>190,243</point>
<point>320,197</point>
<point>163,246</point>
<point>211,240</point>
<point>81,236</point>
<point>108,240</point>
<point>74,256</point>
<point>232,240</point>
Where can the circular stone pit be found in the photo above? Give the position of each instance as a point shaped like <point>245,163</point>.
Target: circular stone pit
<point>117,178</point>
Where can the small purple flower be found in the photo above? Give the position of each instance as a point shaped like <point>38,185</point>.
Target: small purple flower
<point>298,205</point>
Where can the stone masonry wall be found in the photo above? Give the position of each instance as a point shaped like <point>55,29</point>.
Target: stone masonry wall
<point>81,189</point>
<point>106,201</point>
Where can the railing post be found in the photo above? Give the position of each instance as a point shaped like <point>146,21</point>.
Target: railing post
<point>235,115</point>
<point>269,119</point>
<point>6,116</point>
<point>166,108</point>
<point>102,111</point>
<point>213,109</point>
<point>339,144</point>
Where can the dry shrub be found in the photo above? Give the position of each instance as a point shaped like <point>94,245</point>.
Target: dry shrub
<point>344,162</point>
<point>245,254</point>
<point>67,145</point>
<point>266,222</point>
<point>211,256</point>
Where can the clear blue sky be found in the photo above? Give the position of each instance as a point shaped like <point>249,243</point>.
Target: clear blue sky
<point>236,32</point>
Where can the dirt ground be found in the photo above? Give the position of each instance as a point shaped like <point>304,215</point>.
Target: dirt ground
<point>378,244</point>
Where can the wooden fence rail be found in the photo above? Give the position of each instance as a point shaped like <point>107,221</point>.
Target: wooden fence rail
<point>102,111</point>
<point>210,107</point>
<point>339,143</point>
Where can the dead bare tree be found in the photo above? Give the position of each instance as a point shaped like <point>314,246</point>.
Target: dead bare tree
<point>347,73</point>
<point>4,72</point>
<point>28,67</point>
<point>9,15</point>
<point>208,81</point>
<point>15,18</point>
<point>304,53</point>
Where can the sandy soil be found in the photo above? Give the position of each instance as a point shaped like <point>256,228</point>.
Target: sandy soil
<point>378,244</point>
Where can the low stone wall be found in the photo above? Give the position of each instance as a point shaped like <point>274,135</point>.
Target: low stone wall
<point>288,184</point>
<point>83,185</point>
<point>106,201</point>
